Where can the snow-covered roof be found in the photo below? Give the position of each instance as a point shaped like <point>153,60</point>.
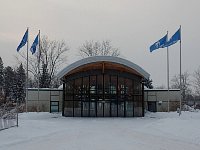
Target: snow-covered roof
<point>60,87</point>
<point>111,59</point>
<point>44,89</point>
<point>162,89</point>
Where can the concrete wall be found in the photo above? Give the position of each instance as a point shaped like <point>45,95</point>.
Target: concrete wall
<point>45,97</point>
<point>160,96</point>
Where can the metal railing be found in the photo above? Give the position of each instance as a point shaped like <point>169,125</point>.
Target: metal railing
<point>8,116</point>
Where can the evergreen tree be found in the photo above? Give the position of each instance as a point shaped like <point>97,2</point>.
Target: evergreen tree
<point>148,83</point>
<point>14,87</point>
<point>1,75</point>
<point>44,77</point>
<point>9,76</point>
<point>19,84</point>
<point>31,83</point>
<point>1,82</point>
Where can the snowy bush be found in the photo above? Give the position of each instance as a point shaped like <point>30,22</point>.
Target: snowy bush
<point>189,108</point>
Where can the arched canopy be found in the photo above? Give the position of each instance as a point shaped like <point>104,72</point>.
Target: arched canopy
<point>107,59</point>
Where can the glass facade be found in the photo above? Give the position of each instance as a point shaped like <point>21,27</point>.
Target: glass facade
<point>107,93</point>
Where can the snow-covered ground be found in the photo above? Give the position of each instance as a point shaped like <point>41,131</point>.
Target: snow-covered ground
<point>155,131</point>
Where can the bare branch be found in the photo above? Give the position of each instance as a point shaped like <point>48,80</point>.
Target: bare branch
<point>185,84</point>
<point>52,55</point>
<point>104,48</point>
<point>196,81</point>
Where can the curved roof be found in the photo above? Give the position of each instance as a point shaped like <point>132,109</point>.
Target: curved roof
<point>95,59</point>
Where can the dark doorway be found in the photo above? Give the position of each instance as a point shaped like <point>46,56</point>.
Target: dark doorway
<point>152,106</point>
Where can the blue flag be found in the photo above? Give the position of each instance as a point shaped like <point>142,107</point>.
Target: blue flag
<point>34,45</point>
<point>159,44</point>
<point>23,41</point>
<point>176,37</point>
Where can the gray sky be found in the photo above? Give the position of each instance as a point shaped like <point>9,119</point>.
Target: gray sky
<point>131,25</point>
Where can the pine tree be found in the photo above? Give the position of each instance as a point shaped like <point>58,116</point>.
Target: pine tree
<point>20,79</point>
<point>9,76</point>
<point>14,87</point>
<point>1,74</point>
<point>1,81</point>
<point>44,77</point>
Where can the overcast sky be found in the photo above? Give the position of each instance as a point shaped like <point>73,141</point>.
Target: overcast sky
<point>131,25</point>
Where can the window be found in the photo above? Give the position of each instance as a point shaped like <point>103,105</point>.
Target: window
<point>54,106</point>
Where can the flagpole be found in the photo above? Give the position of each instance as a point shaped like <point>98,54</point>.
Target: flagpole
<point>38,72</point>
<point>180,76</point>
<point>27,72</point>
<point>167,75</point>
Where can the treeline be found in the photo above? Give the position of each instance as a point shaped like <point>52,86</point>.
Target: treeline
<point>12,83</point>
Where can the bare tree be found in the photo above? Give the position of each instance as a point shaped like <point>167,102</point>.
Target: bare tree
<point>185,83</point>
<point>196,81</point>
<point>104,48</point>
<point>52,54</point>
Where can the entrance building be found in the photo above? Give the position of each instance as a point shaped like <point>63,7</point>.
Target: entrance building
<point>103,86</point>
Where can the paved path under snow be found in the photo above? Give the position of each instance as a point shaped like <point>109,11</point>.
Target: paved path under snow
<point>60,133</point>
